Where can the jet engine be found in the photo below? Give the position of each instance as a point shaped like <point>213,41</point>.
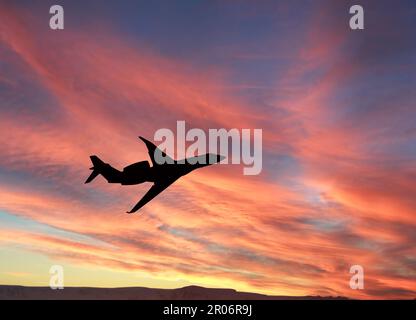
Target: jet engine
<point>136,173</point>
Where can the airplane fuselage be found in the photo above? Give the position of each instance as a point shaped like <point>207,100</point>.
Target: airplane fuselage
<point>140,172</point>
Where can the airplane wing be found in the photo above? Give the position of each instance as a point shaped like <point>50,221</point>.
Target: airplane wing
<point>153,150</point>
<point>153,192</point>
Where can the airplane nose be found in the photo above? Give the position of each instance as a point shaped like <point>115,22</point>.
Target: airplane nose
<point>214,158</point>
<point>217,158</point>
<point>220,158</point>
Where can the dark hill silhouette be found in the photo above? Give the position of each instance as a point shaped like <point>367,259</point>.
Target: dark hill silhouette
<point>137,293</point>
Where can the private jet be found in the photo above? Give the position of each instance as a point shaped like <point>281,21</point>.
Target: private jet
<point>163,172</point>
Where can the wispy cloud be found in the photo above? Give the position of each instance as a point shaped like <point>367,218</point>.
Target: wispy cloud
<point>339,123</point>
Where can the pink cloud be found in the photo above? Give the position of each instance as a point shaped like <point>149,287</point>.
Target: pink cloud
<point>260,233</point>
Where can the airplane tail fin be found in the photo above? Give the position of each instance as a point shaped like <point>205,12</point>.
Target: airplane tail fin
<point>97,164</point>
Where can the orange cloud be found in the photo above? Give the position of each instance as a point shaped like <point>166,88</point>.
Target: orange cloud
<point>256,233</point>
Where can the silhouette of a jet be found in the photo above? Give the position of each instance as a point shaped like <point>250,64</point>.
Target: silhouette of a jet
<point>162,175</point>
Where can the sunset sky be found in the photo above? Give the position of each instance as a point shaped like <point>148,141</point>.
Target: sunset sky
<point>338,114</point>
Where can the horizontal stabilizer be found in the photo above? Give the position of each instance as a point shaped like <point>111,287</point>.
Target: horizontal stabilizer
<point>95,169</point>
